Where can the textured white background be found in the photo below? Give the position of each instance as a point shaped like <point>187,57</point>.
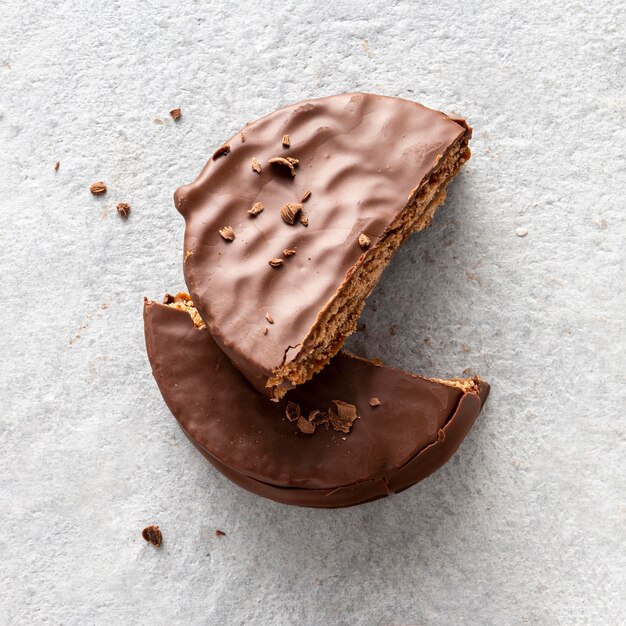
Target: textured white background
<point>525,526</point>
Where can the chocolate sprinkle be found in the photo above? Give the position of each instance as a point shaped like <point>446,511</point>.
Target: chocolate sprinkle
<point>56,166</point>
<point>175,113</point>
<point>220,533</point>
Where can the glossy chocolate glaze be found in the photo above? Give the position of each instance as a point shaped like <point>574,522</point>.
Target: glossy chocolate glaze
<point>418,426</point>
<point>361,156</point>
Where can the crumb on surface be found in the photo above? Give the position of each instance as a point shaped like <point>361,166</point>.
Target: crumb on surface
<point>152,534</point>
<point>98,188</point>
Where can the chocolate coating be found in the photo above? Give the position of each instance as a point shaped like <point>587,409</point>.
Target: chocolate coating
<point>418,426</point>
<point>361,156</point>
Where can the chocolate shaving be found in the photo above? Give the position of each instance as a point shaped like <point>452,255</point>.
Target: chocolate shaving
<point>283,163</point>
<point>220,533</point>
<point>56,166</point>
<point>227,233</point>
<point>152,534</point>
<point>364,240</point>
<point>289,251</point>
<point>123,209</point>
<point>175,113</point>
<point>292,411</point>
<point>290,211</point>
<point>256,208</point>
<point>374,402</point>
<point>275,262</point>
<point>222,151</point>
<point>305,426</point>
<point>286,142</point>
<point>256,166</point>
<point>304,220</point>
<point>342,416</point>
<point>306,196</point>
<point>98,188</point>
<point>269,318</point>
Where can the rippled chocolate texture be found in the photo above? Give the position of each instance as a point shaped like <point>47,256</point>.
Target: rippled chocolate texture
<point>417,427</point>
<point>363,159</point>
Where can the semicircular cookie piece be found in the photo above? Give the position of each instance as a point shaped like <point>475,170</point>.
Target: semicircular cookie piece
<point>296,216</point>
<point>415,429</point>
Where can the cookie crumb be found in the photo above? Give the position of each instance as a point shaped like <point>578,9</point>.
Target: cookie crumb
<point>175,113</point>
<point>56,166</point>
<point>256,166</point>
<point>220,533</point>
<point>275,262</point>
<point>304,220</point>
<point>242,136</point>
<point>364,240</point>
<point>222,151</point>
<point>293,161</point>
<point>256,208</point>
<point>292,411</point>
<point>374,401</point>
<point>306,196</point>
<point>343,416</point>
<point>289,252</point>
<point>98,188</point>
<point>227,233</point>
<point>265,330</point>
<point>123,209</point>
<point>521,232</point>
<point>152,534</point>
<point>290,211</point>
<point>283,163</point>
<point>317,418</point>
<point>305,426</point>
<point>286,141</point>
<point>269,318</point>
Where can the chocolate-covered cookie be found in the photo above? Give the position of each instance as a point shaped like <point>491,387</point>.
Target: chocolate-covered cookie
<point>297,451</point>
<point>293,219</point>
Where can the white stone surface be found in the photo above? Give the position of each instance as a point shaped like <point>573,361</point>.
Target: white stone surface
<point>524,526</point>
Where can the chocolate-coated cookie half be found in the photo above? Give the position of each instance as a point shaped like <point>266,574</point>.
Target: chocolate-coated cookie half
<point>293,219</point>
<point>406,426</point>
